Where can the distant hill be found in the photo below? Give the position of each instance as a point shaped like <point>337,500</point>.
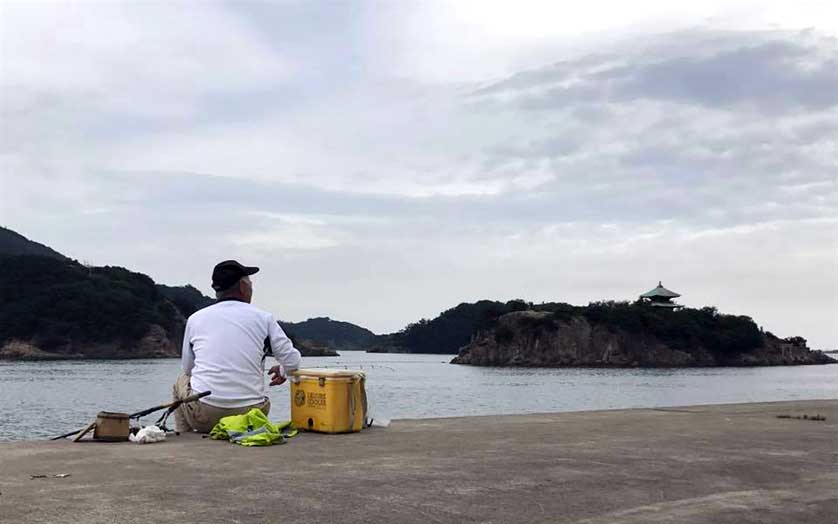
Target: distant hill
<point>59,309</point>
<point>449,331</point>
<point>331,333</point>
<point>12,243</point>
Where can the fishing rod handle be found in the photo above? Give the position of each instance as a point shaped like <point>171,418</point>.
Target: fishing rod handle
<point>196,396</point>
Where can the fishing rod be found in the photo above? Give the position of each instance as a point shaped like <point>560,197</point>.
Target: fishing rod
<point>170,407</point>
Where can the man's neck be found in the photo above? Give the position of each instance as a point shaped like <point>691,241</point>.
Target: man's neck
<point>236,299</point>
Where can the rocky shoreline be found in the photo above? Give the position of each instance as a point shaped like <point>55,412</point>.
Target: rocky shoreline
<point>309,348</point>
<point>536,339</point>
<point>156,344</point>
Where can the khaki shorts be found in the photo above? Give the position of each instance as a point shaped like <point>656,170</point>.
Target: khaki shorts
<point>200,417</point>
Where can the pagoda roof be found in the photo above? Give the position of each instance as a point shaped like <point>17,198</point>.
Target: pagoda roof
<point>661,292</point>
<point>666,305</point>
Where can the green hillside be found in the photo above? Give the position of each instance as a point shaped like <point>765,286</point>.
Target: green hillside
<point>186,298</point>
<point>62,307</point>
<point>455,327</point>
<point>12,243</point>
<point>449,331</point>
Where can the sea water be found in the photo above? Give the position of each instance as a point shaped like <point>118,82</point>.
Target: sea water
<point>40,399</point>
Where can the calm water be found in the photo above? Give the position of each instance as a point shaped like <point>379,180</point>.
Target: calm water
<point>39,399</point>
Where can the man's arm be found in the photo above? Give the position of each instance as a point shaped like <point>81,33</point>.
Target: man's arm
<point>187,355</point>
<point>284,352</point>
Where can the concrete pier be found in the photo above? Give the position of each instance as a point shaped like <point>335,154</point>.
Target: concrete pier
<point>701,464</point>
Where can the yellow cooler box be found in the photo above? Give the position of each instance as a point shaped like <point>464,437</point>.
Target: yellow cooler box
<point>328,400</point>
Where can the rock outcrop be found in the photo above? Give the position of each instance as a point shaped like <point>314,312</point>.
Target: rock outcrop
<point>21,350</point>
<point>538,339</point>
<point>309,348</point>
<point>157,343</point>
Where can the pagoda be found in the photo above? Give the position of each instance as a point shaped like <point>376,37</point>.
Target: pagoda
<point>660,297</point>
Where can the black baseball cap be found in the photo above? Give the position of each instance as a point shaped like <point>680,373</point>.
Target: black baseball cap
<point>226,274</point>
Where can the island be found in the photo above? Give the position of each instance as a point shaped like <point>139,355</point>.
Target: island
<point>624,334</point>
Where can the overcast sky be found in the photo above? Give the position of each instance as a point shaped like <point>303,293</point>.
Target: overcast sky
<point>384,161</point>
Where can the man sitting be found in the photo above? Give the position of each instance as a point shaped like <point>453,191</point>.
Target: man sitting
<point>224,350</point>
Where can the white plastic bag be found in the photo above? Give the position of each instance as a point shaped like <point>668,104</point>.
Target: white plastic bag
<point>148,435</point>
<point>380,422</point>
<point>378,417</point>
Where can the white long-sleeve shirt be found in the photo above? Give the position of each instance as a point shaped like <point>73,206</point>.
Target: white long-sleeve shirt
<point>224,352</point>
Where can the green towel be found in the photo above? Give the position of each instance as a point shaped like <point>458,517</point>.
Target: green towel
<point>252,429</point>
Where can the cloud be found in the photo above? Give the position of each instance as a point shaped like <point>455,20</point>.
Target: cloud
<point>775,76</point>
<point>767,72</point>
<point>384,162</point>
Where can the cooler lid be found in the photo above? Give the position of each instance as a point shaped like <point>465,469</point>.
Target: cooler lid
<point>332,373</point>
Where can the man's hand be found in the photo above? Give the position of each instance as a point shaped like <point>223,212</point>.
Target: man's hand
<point>276,376</point>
